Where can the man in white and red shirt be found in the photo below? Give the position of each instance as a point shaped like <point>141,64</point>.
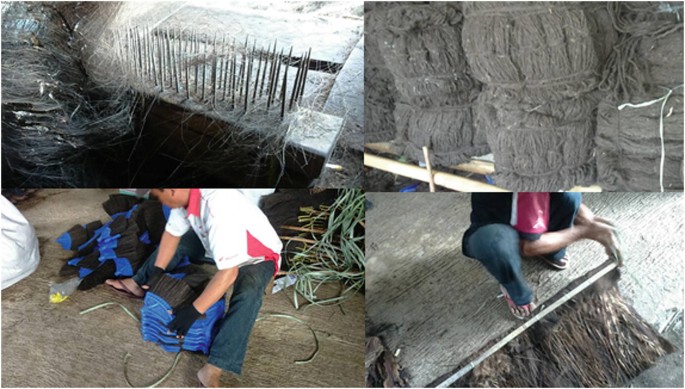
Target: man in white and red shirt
<point>225,227</point>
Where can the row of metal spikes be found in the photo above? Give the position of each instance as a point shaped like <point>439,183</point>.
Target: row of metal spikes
<point>213,71</point>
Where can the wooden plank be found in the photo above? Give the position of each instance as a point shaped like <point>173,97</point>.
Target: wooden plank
<point>446,180</point>
<point>440,307</point>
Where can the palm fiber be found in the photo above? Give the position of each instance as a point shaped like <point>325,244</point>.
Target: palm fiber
<point>421,47</point>
<point>595,340</point>
<point>540,66</point>
<point>379,84</point>
<point>629,145</point>
<point>548,148</point>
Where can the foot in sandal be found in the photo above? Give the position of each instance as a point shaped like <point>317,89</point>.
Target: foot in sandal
<point>520,312</point>
<point>127,287</point>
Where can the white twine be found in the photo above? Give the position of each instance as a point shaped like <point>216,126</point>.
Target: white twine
<point>663,100</point>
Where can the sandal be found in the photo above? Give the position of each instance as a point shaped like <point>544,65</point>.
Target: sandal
<point>559,264</point>
<point>520,312</point>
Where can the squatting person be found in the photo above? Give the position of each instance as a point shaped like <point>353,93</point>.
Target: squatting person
<point>234,234</point>
<point>506,226</point>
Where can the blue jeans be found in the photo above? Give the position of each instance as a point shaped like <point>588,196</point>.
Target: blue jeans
<point>230,344</point>
<point>497,246</point>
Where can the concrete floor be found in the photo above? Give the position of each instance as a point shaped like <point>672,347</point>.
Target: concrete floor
<point>51,345</point>
<point>439,308</point>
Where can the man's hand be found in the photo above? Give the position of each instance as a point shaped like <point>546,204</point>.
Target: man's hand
<point>184,318</point>
<point>153,276</point>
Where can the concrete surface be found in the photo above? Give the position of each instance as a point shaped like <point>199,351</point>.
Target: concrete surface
<point>51,345</point>
<point>439,308</point>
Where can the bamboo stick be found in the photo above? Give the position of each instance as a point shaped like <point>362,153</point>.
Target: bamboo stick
<point>446,180</point>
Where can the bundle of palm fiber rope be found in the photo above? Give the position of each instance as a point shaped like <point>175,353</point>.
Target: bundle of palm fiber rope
<point>540,65</point>
<point>640,123</point>
<point>421,46</point>
<point>596,339</point>
<point>379,85</point>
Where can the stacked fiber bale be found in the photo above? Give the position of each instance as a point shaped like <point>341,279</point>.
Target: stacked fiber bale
<point>640,124</point>
<point>170,292</point>
<point>421,46</point>
<point>539,64</point>
<point>379,85</point>
<point>118,247</point>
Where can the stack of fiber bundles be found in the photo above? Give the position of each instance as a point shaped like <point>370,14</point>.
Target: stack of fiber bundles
<point>118,247</point>
<point>421,46</point>
<point>646,71</point>
<point>379,85</point>
<point>540,67</point>
<point>169,293</point>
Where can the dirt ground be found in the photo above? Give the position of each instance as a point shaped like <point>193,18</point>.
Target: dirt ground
<point>437,308</point>
<point>52,345</point>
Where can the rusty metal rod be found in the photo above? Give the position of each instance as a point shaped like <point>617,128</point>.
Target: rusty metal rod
<point>285,83</point>
<point>306,71</point>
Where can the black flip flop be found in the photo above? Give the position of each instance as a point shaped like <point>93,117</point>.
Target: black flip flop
<point>559,265</point>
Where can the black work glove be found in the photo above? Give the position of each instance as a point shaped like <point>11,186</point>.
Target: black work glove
<point>184,318</point>
<point>153,276</point>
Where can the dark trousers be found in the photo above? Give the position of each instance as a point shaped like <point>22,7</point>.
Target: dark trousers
<point>497,246</point>
<point>230,344</point>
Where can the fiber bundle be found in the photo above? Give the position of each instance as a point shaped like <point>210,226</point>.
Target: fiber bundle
<point>379,84</point>
<point>59,128</point>
<point>639,147</point>
<point>629,145</point>
<point>595,340</point>
<point>169,293</point>
<point>540,66</point>
<point>116,248</point>
<point>421,46</point>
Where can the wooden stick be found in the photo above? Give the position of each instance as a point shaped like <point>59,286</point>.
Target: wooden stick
<point>431,183</point>
<point>446,180</point>
<point>542,313</point>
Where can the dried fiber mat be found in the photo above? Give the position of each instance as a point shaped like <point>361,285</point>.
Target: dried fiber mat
<point>539,64</point>
<point>595,339</point>
<point>379,85</point>
<point>421,46</point>
<point>640,124</point>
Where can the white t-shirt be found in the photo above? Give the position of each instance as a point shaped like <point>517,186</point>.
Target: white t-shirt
<point>233,230</point>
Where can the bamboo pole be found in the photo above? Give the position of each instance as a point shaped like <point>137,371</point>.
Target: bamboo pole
<point>431,182</point>
<point>446,180</point>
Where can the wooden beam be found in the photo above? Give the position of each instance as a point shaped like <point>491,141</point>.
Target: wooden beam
<point>473,166</point>
<point>446,180</point>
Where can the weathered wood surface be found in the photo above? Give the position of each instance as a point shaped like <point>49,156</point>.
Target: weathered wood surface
<point>439,307</point>
<point>331,39</point>
<point>51,345</point>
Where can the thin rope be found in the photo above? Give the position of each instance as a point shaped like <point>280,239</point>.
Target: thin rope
<point>663,101</point>
<point>316,340</point>
<point>91,309</point>
<point>155,383</point>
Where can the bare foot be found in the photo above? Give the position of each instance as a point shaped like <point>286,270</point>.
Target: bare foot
<point>127,286</point>
<point>209,376</point>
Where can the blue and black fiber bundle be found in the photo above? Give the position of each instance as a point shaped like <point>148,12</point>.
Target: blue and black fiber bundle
<point>169,293</point>
<point>118,247</point>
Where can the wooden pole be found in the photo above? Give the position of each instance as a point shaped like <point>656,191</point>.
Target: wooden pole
<point>446,180</point>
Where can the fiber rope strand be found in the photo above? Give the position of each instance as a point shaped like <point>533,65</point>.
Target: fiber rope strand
<point>663,101</point>
<point>158,381</point>
<point>290,317</point>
